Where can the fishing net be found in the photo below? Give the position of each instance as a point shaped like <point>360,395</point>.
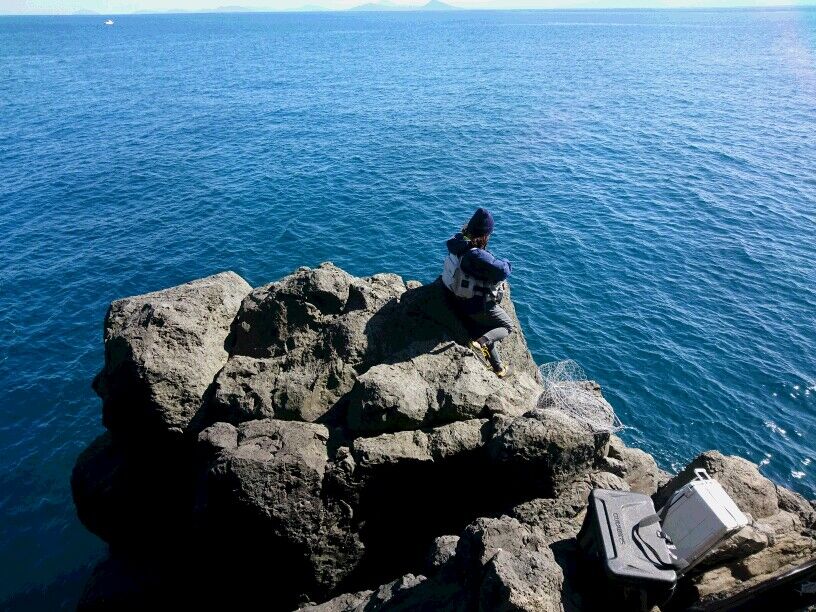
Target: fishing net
<point>566,388</point>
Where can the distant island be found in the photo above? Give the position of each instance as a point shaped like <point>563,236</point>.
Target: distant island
<point>377,5</point>
<point>385,5</point>
<point>231,9</point>
<point>382,5</point>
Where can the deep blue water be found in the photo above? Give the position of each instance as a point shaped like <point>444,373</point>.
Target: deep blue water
<point>652,174</point>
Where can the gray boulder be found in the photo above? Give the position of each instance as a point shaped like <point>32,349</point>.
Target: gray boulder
<point>406,593</point>
<point>547,441</point>
<point>484,537</point>
<point>162,351</point>
<point>496,564</point>
<point>268,478</point>
<point>637,467</point>
<point>321,341</point>
<point>407,447</point>
<point>442,551</point>
<point>299,344</point>
<point>347,602</point>
<point>747,541</point>
<point>447,384</point>
<point>792,545</point>
<point>512,565</point>
<point>529,581</point>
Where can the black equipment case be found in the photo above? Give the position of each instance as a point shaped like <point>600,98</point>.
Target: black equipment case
<point>622,542</point>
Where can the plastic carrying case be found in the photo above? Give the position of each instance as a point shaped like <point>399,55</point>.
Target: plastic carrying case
<point>626,551</point>
<point>698,516</point>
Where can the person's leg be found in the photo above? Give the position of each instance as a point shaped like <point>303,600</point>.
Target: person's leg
<point>499,325</point>
<point>495,358</point>
<point>497,334</point>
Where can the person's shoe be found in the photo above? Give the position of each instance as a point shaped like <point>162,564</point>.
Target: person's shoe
<point>501,371</point>
<point>481,352</point>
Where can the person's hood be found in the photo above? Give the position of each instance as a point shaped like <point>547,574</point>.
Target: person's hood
<point>458,245</point>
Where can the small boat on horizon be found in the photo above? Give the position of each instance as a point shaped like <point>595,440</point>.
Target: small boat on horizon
<point>109,22</point>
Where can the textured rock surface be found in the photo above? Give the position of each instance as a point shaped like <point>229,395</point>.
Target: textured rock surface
<point>434,388</point>
<point>560,518</point>
<point>637,467</point>
<point>303,343</point>
<point>792,544</point>
<point>442,551</point>
<point>546,441</point>
<point>517,566</point>
<point>420,446</point>
<point>162,351</point>
<point>271,482</point>
<point>299,343</point>
<point>339,439</point>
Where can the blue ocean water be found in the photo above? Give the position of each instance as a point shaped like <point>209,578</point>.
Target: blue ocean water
<point>652,174</point>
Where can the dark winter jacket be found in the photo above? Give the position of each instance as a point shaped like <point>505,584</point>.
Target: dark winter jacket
<point>480,264</point>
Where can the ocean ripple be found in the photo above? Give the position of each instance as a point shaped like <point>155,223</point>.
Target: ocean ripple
<point>651,174</point>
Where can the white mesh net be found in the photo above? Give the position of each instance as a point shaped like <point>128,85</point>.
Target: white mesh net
<point>566,388</point>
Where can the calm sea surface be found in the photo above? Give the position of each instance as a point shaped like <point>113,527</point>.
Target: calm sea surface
<point>652,174</point>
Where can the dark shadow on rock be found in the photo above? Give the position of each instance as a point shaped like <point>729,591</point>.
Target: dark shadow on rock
<point>414,325</point>
<point>206,415</point>
<point>229,568</point>
<point>567,556</point>
<point>404,507</point>
<point>129,497</point>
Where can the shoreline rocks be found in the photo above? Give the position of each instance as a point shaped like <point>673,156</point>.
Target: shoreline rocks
<point>162,350</point>
<point>332,438</point>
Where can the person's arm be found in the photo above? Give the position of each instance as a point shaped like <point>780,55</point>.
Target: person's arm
<point>482,264</point>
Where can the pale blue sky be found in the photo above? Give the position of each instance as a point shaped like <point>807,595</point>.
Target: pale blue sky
<point>128,6</point>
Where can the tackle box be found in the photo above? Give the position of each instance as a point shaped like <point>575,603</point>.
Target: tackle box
<point>622,542</point>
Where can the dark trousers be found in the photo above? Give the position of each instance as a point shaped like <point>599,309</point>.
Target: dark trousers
<point>490,326</point>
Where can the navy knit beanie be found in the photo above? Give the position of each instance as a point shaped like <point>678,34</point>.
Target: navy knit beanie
<point>480,224</point>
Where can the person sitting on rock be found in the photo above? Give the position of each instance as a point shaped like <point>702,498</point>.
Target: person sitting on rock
<point>475,279</point>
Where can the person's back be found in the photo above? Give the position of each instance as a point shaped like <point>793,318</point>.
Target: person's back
<point>477,287</point>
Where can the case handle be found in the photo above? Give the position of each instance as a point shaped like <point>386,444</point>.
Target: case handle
<point>701,474</point>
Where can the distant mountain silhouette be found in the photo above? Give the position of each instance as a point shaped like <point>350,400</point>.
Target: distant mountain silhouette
<point>377,6</point>
<point>161,11</point>
<point>382,5</point>
<point>437,5</point>
<point>234,9</point>
<point>432,5</point>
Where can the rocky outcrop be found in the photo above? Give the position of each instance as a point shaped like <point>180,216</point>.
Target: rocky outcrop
<point>162,351</point>
<point>332,438</point>
<point>386,355</point>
